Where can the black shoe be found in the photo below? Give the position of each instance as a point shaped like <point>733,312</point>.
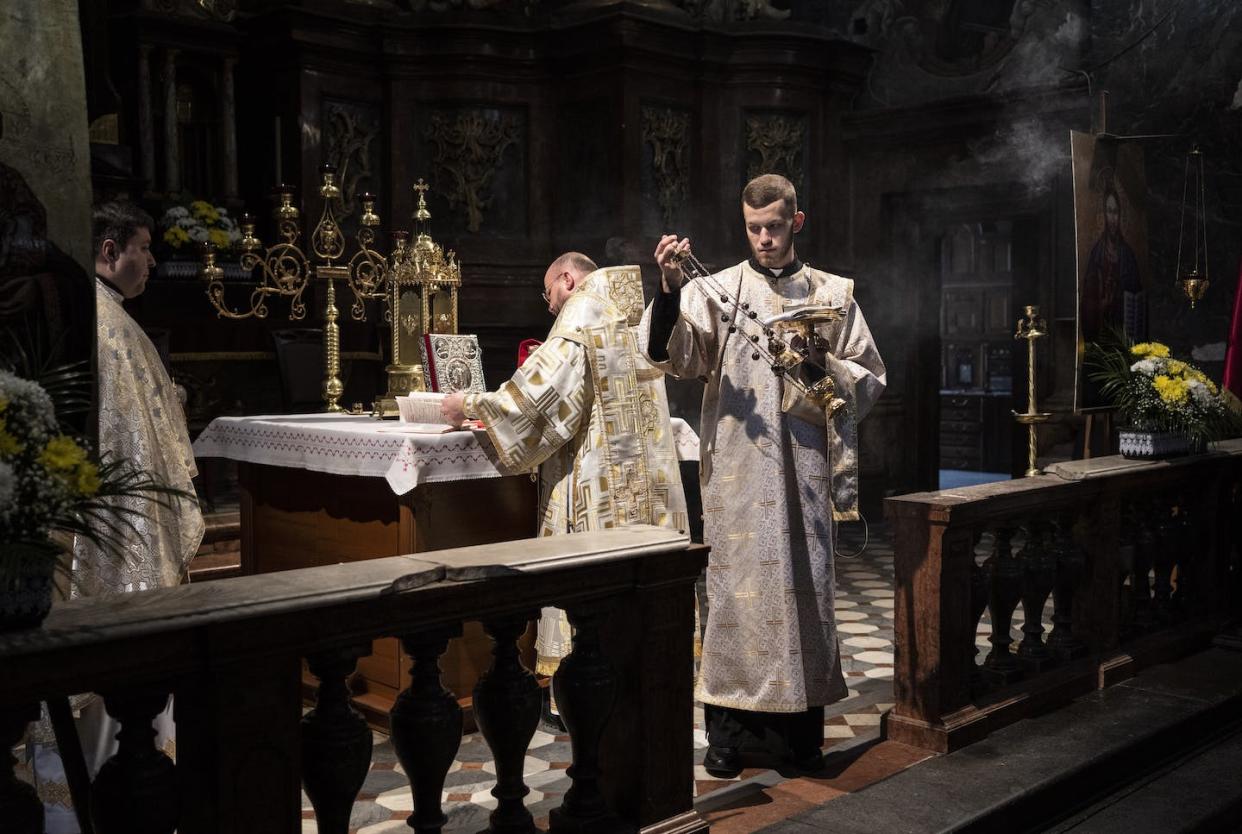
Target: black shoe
<point>808,761</point>
<point>551,720</point>
<point>722,762</point>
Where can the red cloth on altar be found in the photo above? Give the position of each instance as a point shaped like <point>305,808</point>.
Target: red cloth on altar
<point>525,348</point>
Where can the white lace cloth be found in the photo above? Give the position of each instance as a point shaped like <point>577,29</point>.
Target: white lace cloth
<point>343,444</point>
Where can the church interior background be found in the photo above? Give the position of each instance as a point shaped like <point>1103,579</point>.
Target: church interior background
<point>928,141</point>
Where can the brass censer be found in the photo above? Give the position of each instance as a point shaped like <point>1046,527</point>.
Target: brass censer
<point>790,335</point>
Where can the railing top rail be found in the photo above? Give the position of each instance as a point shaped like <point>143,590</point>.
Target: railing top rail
<point>1064,483</point>
<point>83,623</point>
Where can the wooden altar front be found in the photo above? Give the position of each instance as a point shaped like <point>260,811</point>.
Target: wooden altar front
<point>297,518</point>
<point>319,489</point>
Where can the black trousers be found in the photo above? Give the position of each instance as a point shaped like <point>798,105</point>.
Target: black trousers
<point>780,734</point>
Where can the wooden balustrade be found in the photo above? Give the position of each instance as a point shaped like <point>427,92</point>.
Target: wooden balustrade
<point>230,653</point>
<point>1136,558</point>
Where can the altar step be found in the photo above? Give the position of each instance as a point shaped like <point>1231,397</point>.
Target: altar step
<point>1170,738</point>
<point>219,555</point>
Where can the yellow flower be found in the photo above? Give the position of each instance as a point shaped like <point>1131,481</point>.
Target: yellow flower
<point>4,403</point>
<point>87,482</point>
<point>204,210</point>
<point>9,445</point>
<point>1177,367</point>
<point>1149,349</point>
<point>176,237</point>
<point>62,454</point>
<point>219,238</point>
<point>1172,391</point>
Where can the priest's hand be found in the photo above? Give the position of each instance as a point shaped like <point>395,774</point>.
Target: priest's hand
<point>451,410</point>
<point>670,273</point>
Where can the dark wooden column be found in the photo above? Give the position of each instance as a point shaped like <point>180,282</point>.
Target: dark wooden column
<point>646,753</point>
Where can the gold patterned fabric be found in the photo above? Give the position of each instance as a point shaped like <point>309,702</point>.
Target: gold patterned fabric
<point>776,475</point>
<point>591,413</point>
<point>140,418</point>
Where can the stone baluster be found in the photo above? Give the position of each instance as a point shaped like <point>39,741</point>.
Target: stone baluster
<point>1039,573</point>
<point>506,706</point>
<point>980,584</point>
<point>1164,557</point>
<point>1070,564</point>
<point>336,742</point>
<point>1145,545</point>
<point>1001,666</point>
<point>1186,550</point>
<point>136,790</point>
<point>20,808</point>
<point>426,723</point>
<point>586,690</point>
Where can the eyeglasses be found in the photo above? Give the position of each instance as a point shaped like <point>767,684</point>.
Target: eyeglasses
<point>545,294</point>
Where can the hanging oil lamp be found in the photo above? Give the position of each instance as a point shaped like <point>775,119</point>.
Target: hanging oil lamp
<point>1194,276</point>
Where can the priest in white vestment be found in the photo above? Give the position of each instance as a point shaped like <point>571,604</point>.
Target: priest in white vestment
<point>777,473</point>
<point>140,419</point>
<point>590,412</point>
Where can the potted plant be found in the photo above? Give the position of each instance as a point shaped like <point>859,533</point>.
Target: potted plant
<point>187,228</point>
<point>1168,406</point>
<point>50,491</point>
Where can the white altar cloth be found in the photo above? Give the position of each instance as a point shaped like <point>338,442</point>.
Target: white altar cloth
<point>344,444</point>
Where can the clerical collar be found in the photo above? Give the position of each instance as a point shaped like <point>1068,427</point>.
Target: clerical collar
<point>110,285</point>
<point>788,269</point>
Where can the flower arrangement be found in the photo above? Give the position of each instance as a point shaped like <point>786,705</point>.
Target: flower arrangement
<point>49,485</point>
<point>1156,393</point>
<point>199,222</point>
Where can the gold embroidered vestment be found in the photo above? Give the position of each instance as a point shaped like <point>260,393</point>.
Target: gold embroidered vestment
<point>591,413</point>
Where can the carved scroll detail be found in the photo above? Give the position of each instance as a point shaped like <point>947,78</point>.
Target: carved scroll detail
<point>469,146</point>
<point>348,140</point>
<point>667,131</point>
<point>774,144</point>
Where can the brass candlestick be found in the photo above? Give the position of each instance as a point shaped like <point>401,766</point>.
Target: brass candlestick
<point>284,270</point>
<point>1031,327</point>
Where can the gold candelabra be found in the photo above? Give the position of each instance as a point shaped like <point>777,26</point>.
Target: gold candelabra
<point>1031,327</point>
<point>419,283</point>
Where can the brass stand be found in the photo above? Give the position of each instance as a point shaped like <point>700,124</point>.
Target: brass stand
<point>1031,327</point>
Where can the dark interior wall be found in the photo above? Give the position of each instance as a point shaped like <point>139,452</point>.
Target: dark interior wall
<point>599,124</point>
<point>962,119</point>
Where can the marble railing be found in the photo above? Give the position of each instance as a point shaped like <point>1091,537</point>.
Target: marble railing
<point>1116,565</point>
<point>230,652</point>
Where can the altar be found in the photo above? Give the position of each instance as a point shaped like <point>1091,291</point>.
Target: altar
<point>321,489</point>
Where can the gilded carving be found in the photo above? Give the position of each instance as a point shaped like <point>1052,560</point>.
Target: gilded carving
<point>774,144</point>
<point>348,140</point>
<point>469,146</point>
<point>667,131</point>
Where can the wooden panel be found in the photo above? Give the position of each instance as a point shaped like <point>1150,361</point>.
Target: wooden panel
<point>294,518</point>
<point>302,519</point>
<point>963,311</point>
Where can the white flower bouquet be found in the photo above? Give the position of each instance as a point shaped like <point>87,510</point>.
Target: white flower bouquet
<point>186,227</point>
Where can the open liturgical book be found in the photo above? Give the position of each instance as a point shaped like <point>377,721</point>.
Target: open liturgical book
<point>420,414</point>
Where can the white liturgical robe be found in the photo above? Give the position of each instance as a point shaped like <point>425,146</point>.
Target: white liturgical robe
<point>773,486</point>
